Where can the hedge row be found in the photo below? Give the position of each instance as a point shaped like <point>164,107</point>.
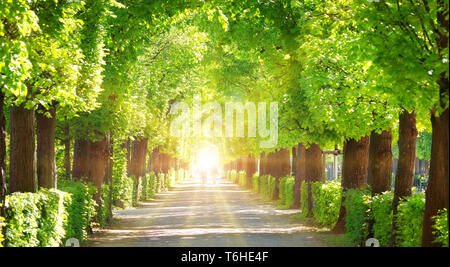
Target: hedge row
<point>287,191</point>
<point>48,218</point>
<point>363,209</point>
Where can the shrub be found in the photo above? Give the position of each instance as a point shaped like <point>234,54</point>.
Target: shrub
<point>22,220</point>
<point>233,176</point>
<point>46,218</point>
<point>327,202</point>
<point>381,214</point>
<point>282,190</point>
<point>441,227</point>
<point>264,187</point>
<point>104,215</point>
<point>356,219</point>
<point>148,186</point>
<point>242,178</point>
<point>304,197</point>
<point>409,220</point>
<point>255,183</point>
<point>2,224</point>
<point>53,218</point>
<point>289,191</point>
<point>80,209</point>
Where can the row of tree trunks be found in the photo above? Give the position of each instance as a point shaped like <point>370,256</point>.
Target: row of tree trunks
<point>2,155</point>
<point>380,162</point>
<point>45,150</point>
<point>404,177</point>
<point>354,172</point>
<point>138,156</point>
<point>80,165</point>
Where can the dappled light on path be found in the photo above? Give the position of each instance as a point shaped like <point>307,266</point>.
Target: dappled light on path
<point>192,214</point>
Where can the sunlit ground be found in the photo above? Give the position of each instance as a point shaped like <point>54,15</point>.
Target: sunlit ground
<point>193,214</point>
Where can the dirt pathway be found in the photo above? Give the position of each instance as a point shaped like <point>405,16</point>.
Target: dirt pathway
<point>221,215</point>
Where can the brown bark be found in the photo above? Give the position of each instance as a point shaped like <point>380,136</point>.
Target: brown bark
<point>404,177</point>
<point>2,155</point>
<point>138,154</point>
<point>67,156</point>
<point>46,161</point>
<point>438,183</point>
<point>354,172</point>
<point>282,166</point>
<point>22,161</point>
<point>380,162</point>
<point>81,159</point>
<point>251,169</point>
<point>313,172</point>
<point>98,158</point>
<point>262,164</point>
<point>300,173</point>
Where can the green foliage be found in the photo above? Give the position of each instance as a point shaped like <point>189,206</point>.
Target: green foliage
<point>381,213</point>
<point>22,220</point>
<point>148,186</point>
<point>441,227</point>
<point>289,192</point>
<point>255,183</point>
<point>304,197</point>
<point>54,217</point>
<point>357,216</point>
<point>410,220</point>
<point>327,202</point>
<point>48,217</point>
<point>242,178</point>
<point>104,215</point>
<point>81,209</point>
<point>2,224</point>
<point>282,191</point>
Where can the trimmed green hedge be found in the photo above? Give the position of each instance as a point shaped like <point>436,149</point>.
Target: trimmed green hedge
<point>381,215</point>
<point>242,178</point>
<point>304,197</point>
<point>287,191</point>
<point>409,220</point>
<point>327,202</point>
<point>267,184</point>
<point>47,218</point>
<point>356,220</point>
<point>255,183</point>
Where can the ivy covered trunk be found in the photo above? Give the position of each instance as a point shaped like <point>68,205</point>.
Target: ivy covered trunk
<point>138,154</point>
<point>379,175</point>
<point>137,166</point>
<point>67,156</point>
<point>22,161</point>
<point>45,151</point>
<point>81,159</point>
<point>313,170</point>
<point>2,155</point>
<point>404,177</point>
<point>438,184</point>
<point>98,157</point>
<point>354,172</point>
<point>300,172</point>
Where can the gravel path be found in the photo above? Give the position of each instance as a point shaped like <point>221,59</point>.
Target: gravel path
<point>221,215</point>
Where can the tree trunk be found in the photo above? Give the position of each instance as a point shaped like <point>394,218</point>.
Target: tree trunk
<point>300,173</point>
<point>354,172</point>
<point>81,159</point>
<point>404,177</point>
<point>438,183</point>
<point>313,173</point>
<point>2,155</point>
<point>22,162</point>
<point>46,161</point>
<point>380,162</point>
<point>67,159</point>
<point>98,157</point>
<point>138,154</point>
<point>283,168</point>
<point>251,169</point>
